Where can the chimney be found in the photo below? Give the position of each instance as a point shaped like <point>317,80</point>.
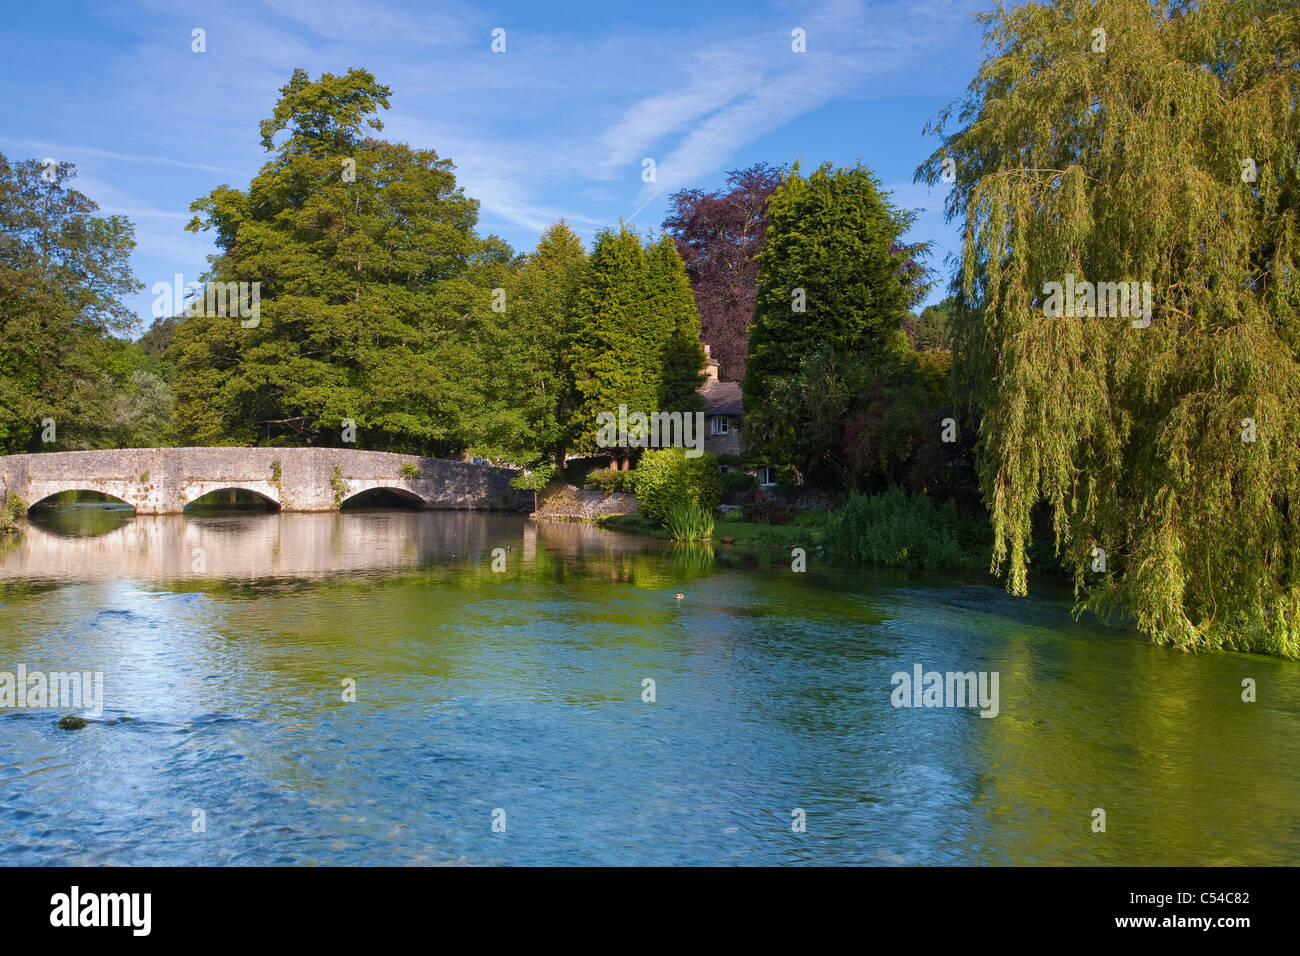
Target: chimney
<point>710,367</point>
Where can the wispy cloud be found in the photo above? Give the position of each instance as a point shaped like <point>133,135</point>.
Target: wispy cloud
<point>555,127</point>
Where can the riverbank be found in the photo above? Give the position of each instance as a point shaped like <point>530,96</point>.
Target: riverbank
<point>892,528</point>
<point>744,533</point>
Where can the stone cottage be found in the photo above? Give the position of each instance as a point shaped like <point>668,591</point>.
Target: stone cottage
<point>723,411</point>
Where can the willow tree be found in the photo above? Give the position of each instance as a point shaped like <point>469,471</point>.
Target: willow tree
<point>1131,141</point>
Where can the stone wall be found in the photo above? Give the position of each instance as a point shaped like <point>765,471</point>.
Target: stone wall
<point>583,503</point>
<point>164,480</point>
<point>728,444</point>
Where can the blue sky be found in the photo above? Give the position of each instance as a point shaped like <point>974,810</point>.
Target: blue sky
<point>558,125</point>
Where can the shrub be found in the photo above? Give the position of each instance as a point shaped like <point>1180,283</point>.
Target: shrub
<point>812,518</point>
<point>738,481</point>
<point>10,510</point>
<point>689,522</point>
<point>899,529</point>
<point>535,479</point>
<point>339,483</point>
<point>667,477</point>
<point>608,481</point>
<point>409,469</point>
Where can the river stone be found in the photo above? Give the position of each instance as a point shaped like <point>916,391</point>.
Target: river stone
<point>72,723</point>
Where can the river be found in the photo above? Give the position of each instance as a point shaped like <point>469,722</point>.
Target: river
<point>363,688</point>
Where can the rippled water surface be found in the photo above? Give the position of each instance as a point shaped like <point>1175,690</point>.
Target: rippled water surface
<point>226,642</point>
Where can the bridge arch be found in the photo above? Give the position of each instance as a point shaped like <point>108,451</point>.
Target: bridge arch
<point>52,498</point>
<point>380,496</point>
<point>264,491</point>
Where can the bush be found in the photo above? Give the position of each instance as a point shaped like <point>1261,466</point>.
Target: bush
<point>666,478</point>
<point>534,479</point>
<point>899,529</point>
<point>738,481</point>
<point>10,510</point>
<point>409,469</point>
<point>689,522</point>
<point>812,518</point>
<point>608,481</point>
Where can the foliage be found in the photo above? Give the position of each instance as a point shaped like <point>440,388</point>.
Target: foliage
<point>157,340</point>
<point>409,469</point>
<point>718,236</point>
<point>836,237</point>
<point>618,341</point>
<point>535,479</point>
<point>666,477</point>
<point>681,355</point>
<point>688,521</point>
<point>895,431</point>
<point>833,247</point>
<point>735,482</point>
<point>801,418</point>
<point>370,274</point>
<point>339,485</point>
<point>1167,157</point>
<point>63,272</point>
<point>896,528</point>
<point>609,480</point>
<point>11,509</point>
<point>529,393</point>
<point>141,413</point>
<point>932,329</point>
<point>637,335</point>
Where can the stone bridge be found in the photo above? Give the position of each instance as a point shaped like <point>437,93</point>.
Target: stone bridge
<point>165,480</point>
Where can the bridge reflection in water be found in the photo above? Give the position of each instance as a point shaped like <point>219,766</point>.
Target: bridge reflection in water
<point>103,545</point>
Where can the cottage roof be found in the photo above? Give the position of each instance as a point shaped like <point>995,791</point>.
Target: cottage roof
<point>722,398</point>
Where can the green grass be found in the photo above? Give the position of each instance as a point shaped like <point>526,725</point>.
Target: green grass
<point>776,535</point>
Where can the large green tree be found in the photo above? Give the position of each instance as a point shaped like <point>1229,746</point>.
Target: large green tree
<point>529,396</point>
<point>682,353</point>
<point>833,271</point>
<point>1131,141</point>
<point>63,271</point>
<point>836,281</point>
<point>370,274</point>
<point>617,351</point>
